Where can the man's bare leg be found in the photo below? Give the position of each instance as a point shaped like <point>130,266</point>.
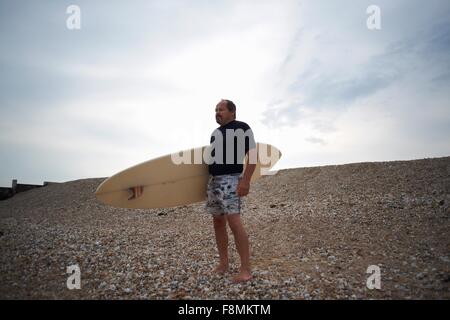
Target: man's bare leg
<point>242,246</point>
<point>220,229</point>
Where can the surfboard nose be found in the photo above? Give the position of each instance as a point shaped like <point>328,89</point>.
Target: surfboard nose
<point>100,187</point>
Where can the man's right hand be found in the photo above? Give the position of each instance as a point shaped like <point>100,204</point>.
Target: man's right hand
<point>137,192</point>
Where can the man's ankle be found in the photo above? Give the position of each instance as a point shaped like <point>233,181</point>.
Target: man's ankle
<point>245,269</point>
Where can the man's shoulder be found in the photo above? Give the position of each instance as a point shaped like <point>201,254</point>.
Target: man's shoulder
<point>241,125</point>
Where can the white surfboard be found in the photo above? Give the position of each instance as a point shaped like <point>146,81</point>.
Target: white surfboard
<point>167,183</point>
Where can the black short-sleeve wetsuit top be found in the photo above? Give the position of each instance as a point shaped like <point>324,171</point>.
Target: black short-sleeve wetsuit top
<point>237,139</point>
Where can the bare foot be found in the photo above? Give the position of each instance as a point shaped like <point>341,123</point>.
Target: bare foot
<point>242,277</point>
<point>221,269</point>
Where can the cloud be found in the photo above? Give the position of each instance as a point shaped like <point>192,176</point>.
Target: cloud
<point>351,74</point>
<point>135,82</point>
<point>316,140</point>
<point>141,81</point>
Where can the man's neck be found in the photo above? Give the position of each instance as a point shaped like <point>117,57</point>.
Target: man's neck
<point>223,125</point>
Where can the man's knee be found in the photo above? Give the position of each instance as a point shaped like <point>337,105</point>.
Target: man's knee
<point>234,221</point>
<point>219,222</point>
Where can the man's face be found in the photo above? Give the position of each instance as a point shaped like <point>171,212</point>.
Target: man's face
<point>223,115</point>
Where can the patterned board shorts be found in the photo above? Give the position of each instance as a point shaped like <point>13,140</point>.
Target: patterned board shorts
<point>222,195</point>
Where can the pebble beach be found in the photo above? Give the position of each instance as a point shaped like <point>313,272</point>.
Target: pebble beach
<point>314,232</point>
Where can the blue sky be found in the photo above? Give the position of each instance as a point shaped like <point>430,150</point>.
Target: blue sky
<point>141,79</point>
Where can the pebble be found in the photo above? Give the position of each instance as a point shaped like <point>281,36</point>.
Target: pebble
<point>313,235</point>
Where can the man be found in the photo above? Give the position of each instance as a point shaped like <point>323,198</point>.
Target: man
<point>228,183</point>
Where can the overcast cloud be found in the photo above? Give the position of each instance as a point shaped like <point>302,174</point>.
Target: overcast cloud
<point>141,79</point>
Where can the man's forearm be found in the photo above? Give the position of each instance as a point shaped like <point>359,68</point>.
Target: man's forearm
<point>249,169</point>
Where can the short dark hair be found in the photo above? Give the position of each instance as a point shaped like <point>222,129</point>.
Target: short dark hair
<point>231,107</point>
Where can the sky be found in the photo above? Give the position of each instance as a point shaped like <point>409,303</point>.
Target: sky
<point>141,79</point>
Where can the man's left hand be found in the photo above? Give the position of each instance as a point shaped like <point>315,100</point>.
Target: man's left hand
<point>243,188</point>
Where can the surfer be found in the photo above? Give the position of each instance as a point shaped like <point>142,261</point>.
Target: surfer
<point>228,182</point>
